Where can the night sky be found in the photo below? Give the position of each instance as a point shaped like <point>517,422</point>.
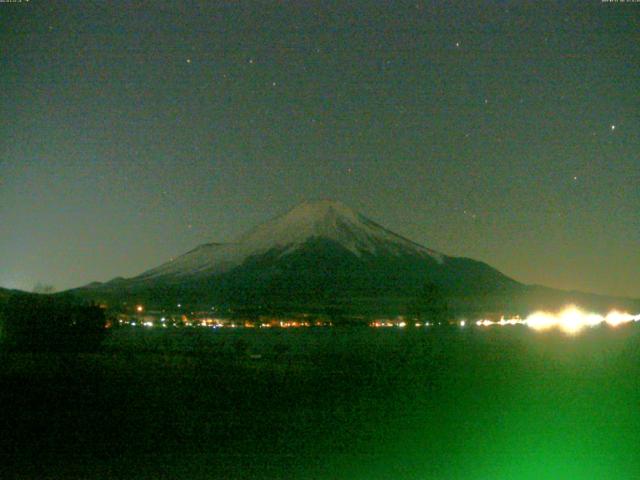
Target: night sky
<point>508,132</point>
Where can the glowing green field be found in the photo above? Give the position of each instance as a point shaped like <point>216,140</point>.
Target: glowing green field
<point>472,403</point>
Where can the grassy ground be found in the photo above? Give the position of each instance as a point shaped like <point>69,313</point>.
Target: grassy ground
<point>501,403</point>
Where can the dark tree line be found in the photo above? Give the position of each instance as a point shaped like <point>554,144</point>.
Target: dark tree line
<point>43,322</point>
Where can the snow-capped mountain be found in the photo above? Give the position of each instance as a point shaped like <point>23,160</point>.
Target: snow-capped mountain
<point>319,254</point>
<point>326,219</point>
<point>324,257</point>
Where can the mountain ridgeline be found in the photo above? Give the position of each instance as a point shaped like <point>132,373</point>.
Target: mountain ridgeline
<point>322,257</point>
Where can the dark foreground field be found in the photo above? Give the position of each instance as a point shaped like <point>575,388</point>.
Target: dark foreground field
<point>499,403</point>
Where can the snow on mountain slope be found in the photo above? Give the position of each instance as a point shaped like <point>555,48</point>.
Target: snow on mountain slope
<point>330,220</point>
<point>324,219</point>
<point>207,258</point>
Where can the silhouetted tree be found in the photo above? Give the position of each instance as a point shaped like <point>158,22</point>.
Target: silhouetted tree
<point>36,322</point>
<point>43,288</point>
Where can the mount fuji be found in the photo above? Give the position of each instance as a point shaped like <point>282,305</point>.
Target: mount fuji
<point>287,234</point>
<point>317,256</point>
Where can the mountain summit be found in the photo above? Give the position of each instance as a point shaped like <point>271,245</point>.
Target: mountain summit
<point>319,254</point>
<point>322,256</point>
<point>331,220</point>
<point>328,220</point>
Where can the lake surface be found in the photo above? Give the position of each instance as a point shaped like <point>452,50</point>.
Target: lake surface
<point>328,403</point>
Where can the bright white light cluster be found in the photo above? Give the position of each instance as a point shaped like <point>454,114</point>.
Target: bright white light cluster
<point>570,320</point>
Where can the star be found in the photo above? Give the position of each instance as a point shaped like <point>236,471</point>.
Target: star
<point>469,214</point>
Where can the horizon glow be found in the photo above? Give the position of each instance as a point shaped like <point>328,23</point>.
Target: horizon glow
<point>570,320</point>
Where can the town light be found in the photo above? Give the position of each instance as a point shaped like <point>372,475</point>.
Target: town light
<point>570,320</point>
